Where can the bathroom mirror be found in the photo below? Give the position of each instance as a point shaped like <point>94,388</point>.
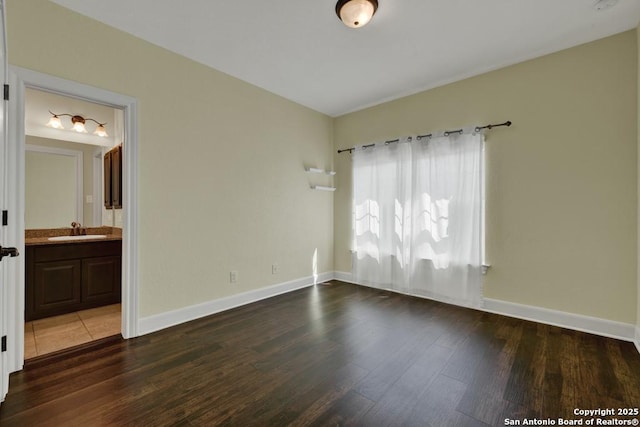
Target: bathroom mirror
<point>59,183</point>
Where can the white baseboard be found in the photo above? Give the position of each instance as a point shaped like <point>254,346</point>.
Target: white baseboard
<point>343,276</point>
<point>578,322</point>
<point>167,319</point>
<point>592,325</point>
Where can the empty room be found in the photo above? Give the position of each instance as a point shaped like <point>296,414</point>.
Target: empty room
<point>352,212</point>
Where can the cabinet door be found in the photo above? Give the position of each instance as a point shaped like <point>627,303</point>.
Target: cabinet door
<point>101,280</point>
<point>107,180</point>
<point>56,287</point>
<point>116,177</point>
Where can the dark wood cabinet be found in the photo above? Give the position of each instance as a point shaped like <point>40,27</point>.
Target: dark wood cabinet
<point>116,177</point>
<point>107,180</point>
<point>113,178</point>
<point>63,278</point>
<point>101,279</point>
<point>57,284</point>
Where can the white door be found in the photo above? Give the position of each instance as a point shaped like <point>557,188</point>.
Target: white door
<point>4,250</point>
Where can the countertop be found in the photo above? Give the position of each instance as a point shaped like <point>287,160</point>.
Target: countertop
<point>41,236</point>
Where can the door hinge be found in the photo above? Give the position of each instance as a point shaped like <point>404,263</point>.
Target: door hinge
<point>5,217</point>
<point>4,343</point>
<point>6,92</point>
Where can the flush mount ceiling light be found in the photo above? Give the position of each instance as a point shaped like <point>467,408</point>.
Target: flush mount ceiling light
<point>356,13</point>
<point>77,122</point>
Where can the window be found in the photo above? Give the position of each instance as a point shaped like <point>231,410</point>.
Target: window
<point>418,216</point>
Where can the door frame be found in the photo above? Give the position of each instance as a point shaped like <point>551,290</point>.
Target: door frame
<point>19,79</point>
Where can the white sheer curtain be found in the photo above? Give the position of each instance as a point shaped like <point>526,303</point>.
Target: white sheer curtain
<point>417,217</point>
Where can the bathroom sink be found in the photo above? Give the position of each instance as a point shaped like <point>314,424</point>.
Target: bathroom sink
<point>84,237</point>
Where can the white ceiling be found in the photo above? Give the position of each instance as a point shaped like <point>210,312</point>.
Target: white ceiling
<point>299,49</point>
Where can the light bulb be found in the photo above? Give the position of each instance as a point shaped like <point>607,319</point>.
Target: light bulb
<point>79,127</point>
<point>100,131</point>
<point>78,124</point>
<point>54,122</point>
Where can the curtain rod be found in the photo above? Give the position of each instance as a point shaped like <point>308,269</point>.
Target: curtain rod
<point>429,135</point>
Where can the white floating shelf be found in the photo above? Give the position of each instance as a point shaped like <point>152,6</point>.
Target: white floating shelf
<point>317,170</point>
<point>323,188</point>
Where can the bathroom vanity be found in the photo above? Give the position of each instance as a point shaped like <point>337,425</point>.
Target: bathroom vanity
<point>63,276</point>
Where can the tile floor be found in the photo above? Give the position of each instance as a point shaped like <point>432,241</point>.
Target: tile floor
<point>56,333</point>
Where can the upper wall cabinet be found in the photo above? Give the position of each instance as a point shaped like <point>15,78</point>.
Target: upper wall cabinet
<point>113,178</point>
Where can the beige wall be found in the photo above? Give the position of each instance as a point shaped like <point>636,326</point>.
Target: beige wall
<point>87,168</point>
<point>222,185</point>
<point>221,173</point>
<point>561,182</point>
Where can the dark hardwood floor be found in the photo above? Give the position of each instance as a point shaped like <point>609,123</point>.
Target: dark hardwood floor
<point>335,354</point>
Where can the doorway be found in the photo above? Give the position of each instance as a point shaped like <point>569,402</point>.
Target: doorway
<point>20,80</point>
<point>72,296</point>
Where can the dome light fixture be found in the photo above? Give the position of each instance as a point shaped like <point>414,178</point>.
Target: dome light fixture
<point>356,13</point>
<point>78,123</point>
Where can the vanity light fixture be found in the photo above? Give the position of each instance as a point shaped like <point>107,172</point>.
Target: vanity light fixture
<point>100,130</point>
<point>78,123</point>
<point>54,122</point>
<point>356,13</point>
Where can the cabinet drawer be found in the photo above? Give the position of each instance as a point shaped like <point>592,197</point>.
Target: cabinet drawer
<point>77,250</point>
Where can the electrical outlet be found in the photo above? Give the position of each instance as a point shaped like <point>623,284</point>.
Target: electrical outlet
<point>233,276</point>
<point>274,268</point>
